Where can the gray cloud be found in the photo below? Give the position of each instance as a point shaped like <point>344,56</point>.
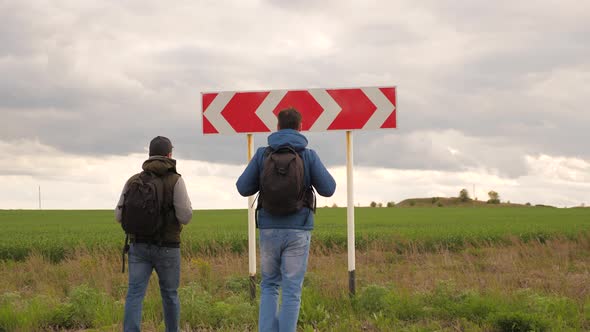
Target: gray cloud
<point>494,82</point>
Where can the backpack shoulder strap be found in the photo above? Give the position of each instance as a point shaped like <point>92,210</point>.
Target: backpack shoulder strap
<point>268,151</point>
<point>127,188</point>
<point>133,178</point>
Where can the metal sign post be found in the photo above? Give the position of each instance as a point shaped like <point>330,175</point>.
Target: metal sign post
<point>251,231</point>
<point>350,215</point>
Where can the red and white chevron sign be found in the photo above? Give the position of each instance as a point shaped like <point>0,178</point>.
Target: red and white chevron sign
<point>231,112</point>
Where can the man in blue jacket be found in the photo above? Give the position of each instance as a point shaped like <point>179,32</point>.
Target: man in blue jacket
<point>285,239</point>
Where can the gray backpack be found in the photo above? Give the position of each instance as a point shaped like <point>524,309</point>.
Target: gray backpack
<point>282,186</point>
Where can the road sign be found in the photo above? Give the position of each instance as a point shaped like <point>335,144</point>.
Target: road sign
<point>231,112</point>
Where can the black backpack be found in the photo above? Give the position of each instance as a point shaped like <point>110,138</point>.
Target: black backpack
<point>282,184</point>
<point>143,206</point>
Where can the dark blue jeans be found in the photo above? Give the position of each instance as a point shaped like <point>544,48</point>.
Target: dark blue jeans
<point>283,260</point>
<point>143,258</point>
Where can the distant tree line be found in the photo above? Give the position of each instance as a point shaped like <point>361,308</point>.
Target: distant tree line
<point>493,195</point>
<point>494,198</point>
<point>375,204</point>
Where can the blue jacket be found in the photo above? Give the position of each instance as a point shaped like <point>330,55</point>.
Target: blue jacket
<point>316,175</point>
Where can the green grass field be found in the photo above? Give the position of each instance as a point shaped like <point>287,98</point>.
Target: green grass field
<point>418,269</point>
<point>57,233</point>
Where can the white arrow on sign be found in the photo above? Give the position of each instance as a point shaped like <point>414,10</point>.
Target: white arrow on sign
<point>264,111</point>
<point>384,108</point>
<point>214,112</point>
<point>330,106</point>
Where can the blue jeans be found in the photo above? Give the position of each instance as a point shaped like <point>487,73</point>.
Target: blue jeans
<point>283,259</point>
<point>143,258</point>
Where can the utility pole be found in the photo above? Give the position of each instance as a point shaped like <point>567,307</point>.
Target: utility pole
<point>39,197</point>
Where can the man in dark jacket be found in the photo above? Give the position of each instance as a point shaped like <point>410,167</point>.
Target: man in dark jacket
<point>285,239</point>
<point>146,254</point>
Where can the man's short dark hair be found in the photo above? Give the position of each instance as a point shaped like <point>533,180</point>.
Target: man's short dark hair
<point>289,118</point>
<point>160,146</point>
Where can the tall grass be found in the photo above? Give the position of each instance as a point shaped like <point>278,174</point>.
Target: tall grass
<point>519,287</point>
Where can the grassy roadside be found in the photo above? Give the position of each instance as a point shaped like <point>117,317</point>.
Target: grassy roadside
<point>520,287</point>
<point>418,269</point>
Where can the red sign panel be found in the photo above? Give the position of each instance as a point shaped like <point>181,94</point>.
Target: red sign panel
<point>369,108</point>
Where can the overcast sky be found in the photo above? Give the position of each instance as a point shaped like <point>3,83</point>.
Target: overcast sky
<point>491,94</point>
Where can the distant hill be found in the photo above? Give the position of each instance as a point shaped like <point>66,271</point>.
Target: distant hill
<point>450,201</point>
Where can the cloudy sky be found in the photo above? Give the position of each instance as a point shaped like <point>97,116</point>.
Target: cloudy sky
<point>491,94</point>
